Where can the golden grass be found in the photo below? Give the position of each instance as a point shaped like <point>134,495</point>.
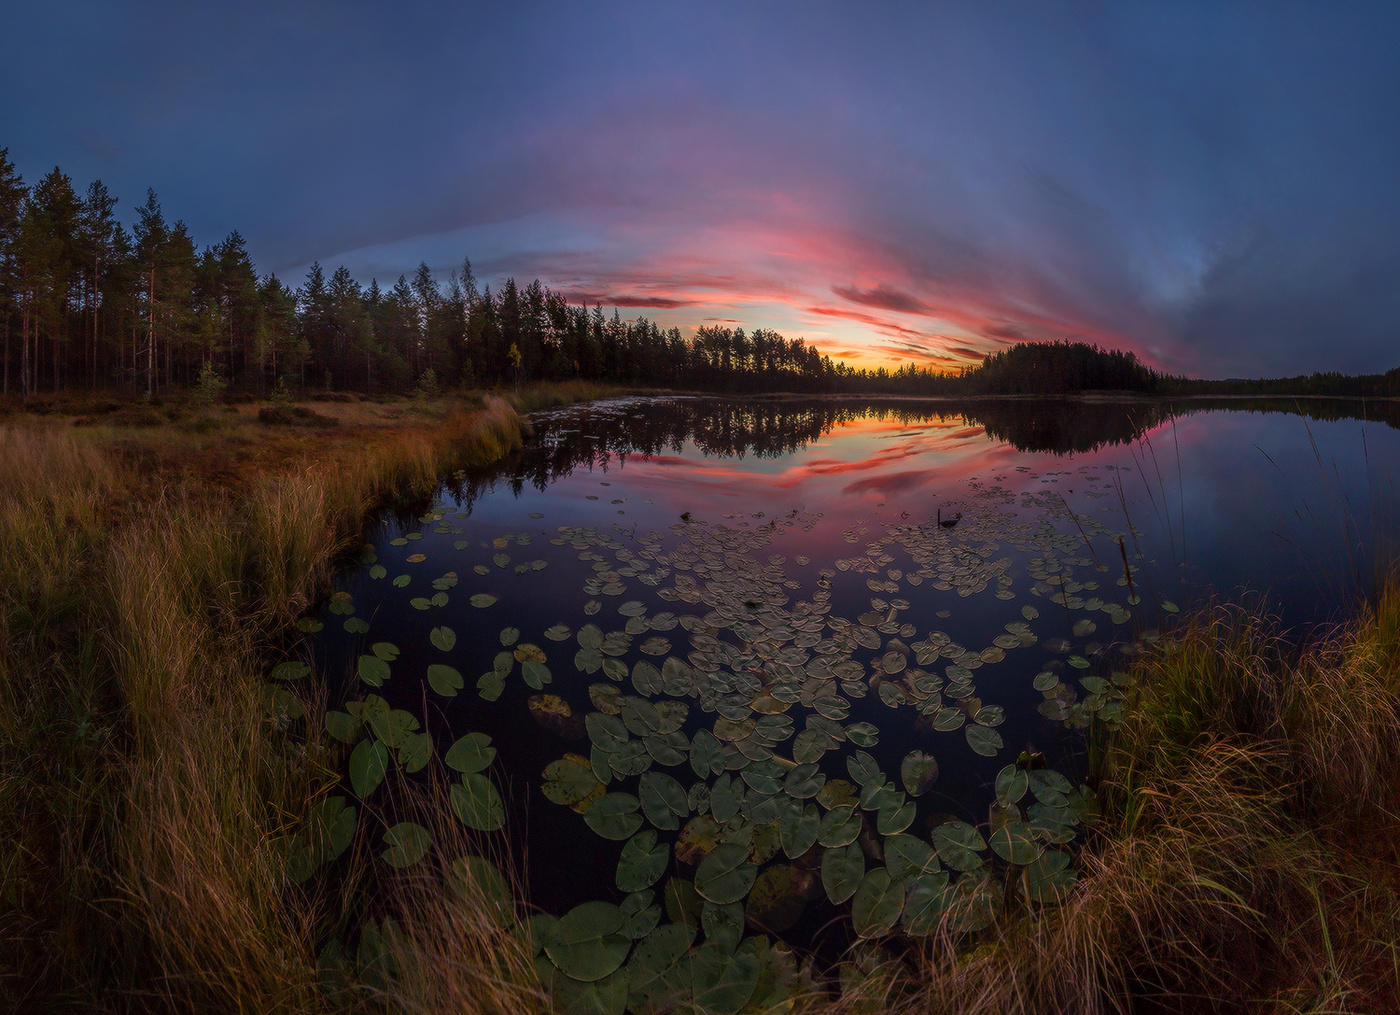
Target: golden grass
<point>1249,855</point>
<point>147,791</point>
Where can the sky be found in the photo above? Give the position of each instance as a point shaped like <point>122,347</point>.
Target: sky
<point>1210,185</point>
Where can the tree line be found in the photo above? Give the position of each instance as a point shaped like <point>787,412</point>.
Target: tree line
<point>86,302</point>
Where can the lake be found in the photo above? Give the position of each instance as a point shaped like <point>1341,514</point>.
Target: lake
<point>733,671</point>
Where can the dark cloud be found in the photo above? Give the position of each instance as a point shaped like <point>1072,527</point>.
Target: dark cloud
<point>882,297</point>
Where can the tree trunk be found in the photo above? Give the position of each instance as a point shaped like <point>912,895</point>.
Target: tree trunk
<point>151,339</point>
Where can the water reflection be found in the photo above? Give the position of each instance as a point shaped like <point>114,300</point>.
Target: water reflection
<point>604,435</point>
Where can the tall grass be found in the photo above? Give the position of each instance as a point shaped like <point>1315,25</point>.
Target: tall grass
<point>148,791</point>
<point>1247,859</point>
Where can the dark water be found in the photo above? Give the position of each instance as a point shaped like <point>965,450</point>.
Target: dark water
<point>925,563</point>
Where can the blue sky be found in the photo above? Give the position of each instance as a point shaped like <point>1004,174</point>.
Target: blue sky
<point>1211,185</point>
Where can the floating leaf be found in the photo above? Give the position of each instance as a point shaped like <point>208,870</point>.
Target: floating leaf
<point>471,753</point>
<point>443,638</point>
<point>925,903</point>
<point>725,875</point>
<point>587,942</point>
<point>569,780</point>
<point>614,816</point>
<point>291,670</point>
<point>918,771</point>
<point>343,726</point>
<point>1011,785</point>
<point>1049,877</point>
<point>477,803</point>
<point>959,845</point>
<point>482,600</point>
<point>724,925</point>
<point>406,843</point>
<point>369,762</point>
<point>445,680</point>
<point>984,740</point>
<point>777,899</point>
<point>798,830</point>
<point>490,685</point>
<point>536,674</point>
<point>842,870</point>
<point>1014,843</point>
<point>642,862</point>
<point>907,856</point>
<point>372,670</point>
<point>840,826</point>
<point>663,800</point>
<point>877,903</point>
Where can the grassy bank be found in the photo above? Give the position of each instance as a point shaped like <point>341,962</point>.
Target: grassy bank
<point>1248,858</point>
<point>147,557</point>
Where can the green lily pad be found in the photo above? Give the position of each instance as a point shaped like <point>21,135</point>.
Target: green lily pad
<point>959,845</point>
<point>481,600</point>
<point>877,903</point>
<point>343,726</point>
<point>1015,843</point>
<point>443,638</point>
<point>1049,877</point>
<point>369,762</point>
<point>918,771</point>
<point>907,856</point>
<point>445,680</point>
<point>569,780</point>
<point>663,800</point>
<point>725,875</point>
<point>864,769</point>
<point>406,843</point>
<point>840,826</point>
<point>1011,785</point>
<point>477,803</point>
<point>642,862</point>
<point>842,870</point>
<point>291,670</point>
<point>471,753</point>
<point>984,740</point>
<point>797,831</point>
<point>535,673</point>
<point>925,903</point>
<point>587,942</point>
<point>372,670</point>
<point>614,816</point>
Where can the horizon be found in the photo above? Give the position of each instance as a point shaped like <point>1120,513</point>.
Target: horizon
<point>1207,186</point>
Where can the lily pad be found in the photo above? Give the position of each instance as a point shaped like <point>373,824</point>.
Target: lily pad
<point>1015,843</point>
<point>369,762</point>
<point>725,875</point>
<point>877,903</point>
<point>614,816</point>
<point>918,771</point>
<point>445,680</point>
<point>406,843</point>
<point>959,845</point>
<point>663,800</point>
<point>471,753</point>
<point>477,803</point>
<point>482,600</point>
<point>569,780</point>
<point>842,870</point>
<point>443,638</point>
<point>642,862</point>
<point>587,942</point>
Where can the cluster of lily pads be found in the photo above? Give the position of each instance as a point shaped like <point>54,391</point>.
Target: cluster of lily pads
<point>729,716</point>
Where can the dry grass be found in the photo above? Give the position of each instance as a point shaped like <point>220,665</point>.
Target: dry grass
<point>148,792</point>
<point>1248,857</point>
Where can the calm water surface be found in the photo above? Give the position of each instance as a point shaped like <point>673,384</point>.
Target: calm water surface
<point>795,583</point>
